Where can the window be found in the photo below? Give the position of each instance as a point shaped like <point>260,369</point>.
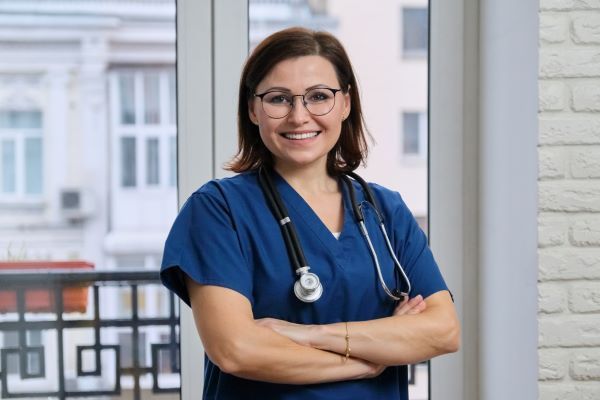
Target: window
<point>127,91</point>
<point>414,134</point>
<point>128,161</point>
<point>21,154</point>
<point>172,161</point>
<point>414,32</point>
<point>33,338</point>
<point>126,343</point>
<point>151,99</point>
<point>152,161</point>
<point>145,127</point>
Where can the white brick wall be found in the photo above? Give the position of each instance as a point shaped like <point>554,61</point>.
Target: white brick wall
<point>569,200</point>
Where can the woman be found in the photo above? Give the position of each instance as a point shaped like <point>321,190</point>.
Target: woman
<point>229,252</point>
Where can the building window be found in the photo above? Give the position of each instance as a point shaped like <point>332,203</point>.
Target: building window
<point>152,161</point>
<point>172,161</point>
<point>128,162</point>
<point>172,98</point>
<point>127,98</point>
<point>33,339</point>
<point>414,134</point>
<point>145,127</point>
<point>152,99</point>
<point>126,343</point>
<point>414,31</point>
<point>21,154</point>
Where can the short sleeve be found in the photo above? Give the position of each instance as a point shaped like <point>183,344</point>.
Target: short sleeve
<point>415,255</point>
<point>204,245</point>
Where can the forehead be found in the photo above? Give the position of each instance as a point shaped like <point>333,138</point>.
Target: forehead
<point>300,73</point>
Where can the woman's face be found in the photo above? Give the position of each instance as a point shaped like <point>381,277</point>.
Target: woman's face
<point>300,139</point>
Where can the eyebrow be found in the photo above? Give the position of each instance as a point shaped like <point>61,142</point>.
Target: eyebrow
<point>284,89</point>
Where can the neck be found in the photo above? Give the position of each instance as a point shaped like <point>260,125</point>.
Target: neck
<point>309,179</point>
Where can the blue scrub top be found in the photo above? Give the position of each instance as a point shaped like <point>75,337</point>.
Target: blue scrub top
<point>226,235</point>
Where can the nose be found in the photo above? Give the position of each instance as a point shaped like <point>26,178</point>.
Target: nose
<point>298,114</point>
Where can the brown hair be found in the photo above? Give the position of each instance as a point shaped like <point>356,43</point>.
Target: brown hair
<point>350,150</point>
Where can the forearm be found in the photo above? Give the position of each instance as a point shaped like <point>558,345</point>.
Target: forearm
<point>264,355</point>
<point>396,340</point>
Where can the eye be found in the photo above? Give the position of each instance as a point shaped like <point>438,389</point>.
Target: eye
<point>318,95</point>
<point>277,98</point>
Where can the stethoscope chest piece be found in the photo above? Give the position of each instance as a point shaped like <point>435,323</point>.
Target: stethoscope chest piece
<point>308,287</point>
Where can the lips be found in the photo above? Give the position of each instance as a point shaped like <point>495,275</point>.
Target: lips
<point>300,135</point>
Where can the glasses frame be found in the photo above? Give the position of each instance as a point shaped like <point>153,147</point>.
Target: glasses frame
<point>304,103</point>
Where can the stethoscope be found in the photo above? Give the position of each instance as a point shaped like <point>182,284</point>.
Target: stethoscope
<point>308,287</point>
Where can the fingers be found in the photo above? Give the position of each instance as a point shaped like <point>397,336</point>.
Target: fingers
<point>411,307</point>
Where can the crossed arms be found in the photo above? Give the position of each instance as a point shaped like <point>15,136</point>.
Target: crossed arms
<point>277,351</point>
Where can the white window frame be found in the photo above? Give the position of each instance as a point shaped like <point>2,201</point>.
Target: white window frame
<point>483,112</point>
<point>212,43</point>
<point>19,136</point>
<point>164,131</point>
<point>468,119</point>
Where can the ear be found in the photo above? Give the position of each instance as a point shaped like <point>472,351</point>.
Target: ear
<point>252,112</point>
<point>347,104</point>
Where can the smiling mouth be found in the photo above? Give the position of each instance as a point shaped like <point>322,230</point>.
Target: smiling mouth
<point>300,136</point>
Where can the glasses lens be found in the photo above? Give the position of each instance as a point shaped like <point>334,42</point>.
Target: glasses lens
<point>277,104</point>
<point>319,101</point>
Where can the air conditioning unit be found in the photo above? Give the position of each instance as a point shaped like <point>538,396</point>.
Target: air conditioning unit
<point>76,204</point>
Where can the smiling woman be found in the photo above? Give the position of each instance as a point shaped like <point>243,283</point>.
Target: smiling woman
<point>301,136</point>
<point>297,136</point>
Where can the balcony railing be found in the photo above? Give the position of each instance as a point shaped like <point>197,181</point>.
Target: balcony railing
<point>99,367</point>
<point>41,301</point>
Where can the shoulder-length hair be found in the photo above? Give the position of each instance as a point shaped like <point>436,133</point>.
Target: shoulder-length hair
<point>350,150</point>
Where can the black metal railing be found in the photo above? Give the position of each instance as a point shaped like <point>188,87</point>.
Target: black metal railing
<point>52,286</point>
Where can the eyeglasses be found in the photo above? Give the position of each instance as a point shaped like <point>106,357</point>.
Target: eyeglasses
<point>318,101</point>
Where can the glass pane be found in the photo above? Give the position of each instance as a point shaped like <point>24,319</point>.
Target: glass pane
<point>151,99</point>
<point>127,97</point>
<point>73,155</point>
<point>414,31</point>
<point>172,98</point>
<point>128,162</point>
<point>8,166</point>
<point>172,161</point>
<point>33,166</point>
<point>20,119</point>
<point>410,130</point>
<point>152,161</point>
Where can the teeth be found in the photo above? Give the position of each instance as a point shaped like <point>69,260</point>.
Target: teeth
<point>299,136</point>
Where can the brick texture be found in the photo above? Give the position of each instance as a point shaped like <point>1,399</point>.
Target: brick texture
<point>586,96</point>
<point>572,129</point>
<point>585,365</point>
<point>585,297</point>
<point>554,28</point>
<point>585,162</point>
<point>569,200</point>
<point>586,29</point>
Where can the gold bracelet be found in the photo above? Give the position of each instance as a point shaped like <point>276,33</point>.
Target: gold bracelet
<point>347,344</point>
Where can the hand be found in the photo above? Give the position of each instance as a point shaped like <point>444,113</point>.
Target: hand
<point>297,332</point>
<point>376,370</point>
<point>413,306</point>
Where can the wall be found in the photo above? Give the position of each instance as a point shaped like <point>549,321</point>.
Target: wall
<point>569,200</point>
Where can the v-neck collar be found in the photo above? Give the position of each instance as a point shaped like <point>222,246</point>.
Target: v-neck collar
<point>293,200</point>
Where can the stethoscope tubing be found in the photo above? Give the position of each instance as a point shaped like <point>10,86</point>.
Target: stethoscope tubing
<point>287,227</point>
<point>359,215</point>
<point>294,248</point>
